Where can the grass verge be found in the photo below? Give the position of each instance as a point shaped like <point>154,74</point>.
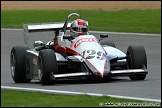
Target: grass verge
<point>141,21</point>
<point>12,98</point>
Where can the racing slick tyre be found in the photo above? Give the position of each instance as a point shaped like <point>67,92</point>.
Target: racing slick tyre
<point>47,64</point>
<point>109,43</point>
<point>17,64</point>
<point>137,59</point>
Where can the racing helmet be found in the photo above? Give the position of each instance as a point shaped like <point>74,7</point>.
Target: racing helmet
<point>79,27</point>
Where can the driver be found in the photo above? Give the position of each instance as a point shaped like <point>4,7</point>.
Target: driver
<point>78,27</point>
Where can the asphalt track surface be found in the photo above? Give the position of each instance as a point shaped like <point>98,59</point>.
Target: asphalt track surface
<point>149,88</point>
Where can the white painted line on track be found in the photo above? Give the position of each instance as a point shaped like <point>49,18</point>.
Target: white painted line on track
<point>76,93</point>
<point>10,29</point>
<point>145,34</point>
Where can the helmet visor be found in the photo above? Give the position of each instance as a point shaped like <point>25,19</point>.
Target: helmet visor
<point>80,29</point>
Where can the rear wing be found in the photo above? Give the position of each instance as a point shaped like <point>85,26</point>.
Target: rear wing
<point>42,27</point>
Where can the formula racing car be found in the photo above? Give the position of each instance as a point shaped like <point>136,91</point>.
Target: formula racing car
<point>79,57</point>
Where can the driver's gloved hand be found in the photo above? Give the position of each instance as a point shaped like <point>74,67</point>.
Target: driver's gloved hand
<point>71,38</point>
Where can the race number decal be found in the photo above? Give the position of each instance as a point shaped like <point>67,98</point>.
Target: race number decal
<point>92,54</point>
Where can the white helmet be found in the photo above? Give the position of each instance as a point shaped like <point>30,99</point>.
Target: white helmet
<point>79,27</point>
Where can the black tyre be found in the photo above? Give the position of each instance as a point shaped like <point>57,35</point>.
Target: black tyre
<point>109,43</point>
<point>47,64</point>
<point>17,64</point>
<point>137,59</point>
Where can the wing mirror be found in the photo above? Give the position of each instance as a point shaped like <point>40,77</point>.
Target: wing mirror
<point>103,36</point>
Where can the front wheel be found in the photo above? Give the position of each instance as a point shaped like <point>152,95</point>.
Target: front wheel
<point>47,65</point>
<point>17,64</point>
<point>136,60</point>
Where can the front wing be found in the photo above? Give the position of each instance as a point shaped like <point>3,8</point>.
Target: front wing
<point>112,73</point>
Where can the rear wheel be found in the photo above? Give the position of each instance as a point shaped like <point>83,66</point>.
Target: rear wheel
<point>109,43</point>
<point>17,64</point>
<point>137,59</point>
<point>47,65</point>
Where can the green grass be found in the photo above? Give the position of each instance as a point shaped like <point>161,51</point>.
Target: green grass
<point>12,98</point>
<point>141,21</point>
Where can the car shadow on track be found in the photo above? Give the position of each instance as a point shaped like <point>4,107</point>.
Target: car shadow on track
<point>87,81</point>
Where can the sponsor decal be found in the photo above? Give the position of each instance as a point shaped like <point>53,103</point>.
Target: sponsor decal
<point>34,61</point>
<point>84,40</point>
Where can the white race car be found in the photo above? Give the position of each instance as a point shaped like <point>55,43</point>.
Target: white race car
<point>83,57</point>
